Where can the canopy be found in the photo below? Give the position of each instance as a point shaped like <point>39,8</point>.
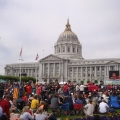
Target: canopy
<point>2,81</point>
<point>61,83</point>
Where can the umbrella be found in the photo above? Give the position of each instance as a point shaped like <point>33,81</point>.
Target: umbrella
<point>61,83</point>
<point>2,81</point>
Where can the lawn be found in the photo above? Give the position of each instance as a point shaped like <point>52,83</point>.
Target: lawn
<point>72,117</point>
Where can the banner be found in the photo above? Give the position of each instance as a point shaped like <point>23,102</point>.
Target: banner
<point>114,82</point>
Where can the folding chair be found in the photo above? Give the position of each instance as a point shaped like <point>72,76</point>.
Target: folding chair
<point>65,108</point>
<point>78,108</point>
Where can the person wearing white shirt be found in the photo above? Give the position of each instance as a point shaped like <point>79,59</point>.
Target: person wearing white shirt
<point>103,107</point>
<point>88,109</point>
<point>82,89</point>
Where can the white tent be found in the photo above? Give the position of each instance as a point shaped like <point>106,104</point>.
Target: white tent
<point>61,83</point>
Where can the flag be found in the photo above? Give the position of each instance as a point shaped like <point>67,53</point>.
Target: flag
<point>21,52</point>
<point>37,57</point>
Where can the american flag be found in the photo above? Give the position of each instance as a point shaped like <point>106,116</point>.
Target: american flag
<point>21,52</point>
<point>37,57</point>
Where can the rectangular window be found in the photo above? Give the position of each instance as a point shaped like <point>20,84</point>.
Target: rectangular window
<point>73,49</point>
<point>68,49</point>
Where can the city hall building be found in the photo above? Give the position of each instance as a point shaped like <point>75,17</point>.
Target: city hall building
<point>66,63</point>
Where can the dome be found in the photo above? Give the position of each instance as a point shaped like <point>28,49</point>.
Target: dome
<point>68,45</point>
<point>68,35</point>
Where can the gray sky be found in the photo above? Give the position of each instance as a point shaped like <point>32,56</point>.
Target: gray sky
<point>37,24</point>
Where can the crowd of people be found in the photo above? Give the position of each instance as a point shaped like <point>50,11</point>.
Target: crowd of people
<point>32,101</point>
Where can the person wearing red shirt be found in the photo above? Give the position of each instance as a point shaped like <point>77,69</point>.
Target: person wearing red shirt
<point>6,105</point>
<point>38,91</point>
<point>29,90</point>
<point>65,89</point>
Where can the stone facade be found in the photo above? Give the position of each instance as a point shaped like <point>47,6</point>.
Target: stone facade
<point>67,63</point>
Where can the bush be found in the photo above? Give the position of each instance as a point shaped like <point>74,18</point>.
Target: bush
<point>16,78</point>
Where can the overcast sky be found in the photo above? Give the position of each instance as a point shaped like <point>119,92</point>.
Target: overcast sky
<point>37,24</point>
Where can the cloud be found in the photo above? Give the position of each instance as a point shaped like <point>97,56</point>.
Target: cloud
<point>36,26</point>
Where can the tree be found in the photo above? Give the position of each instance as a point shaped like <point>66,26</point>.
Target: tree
<point>82,82</point>
<point>16,78</point>
<point>88,81</point>
<point>96,81</point>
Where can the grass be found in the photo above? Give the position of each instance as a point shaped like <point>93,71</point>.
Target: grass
<point>72,117</point>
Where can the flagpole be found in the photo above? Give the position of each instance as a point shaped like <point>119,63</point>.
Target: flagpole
<point>20,63</point>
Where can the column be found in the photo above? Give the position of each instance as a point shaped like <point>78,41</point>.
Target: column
<point>109,67</point>
<point>28,74</point>
<point>43,69</point>
<point>100,72</point>
<point>95,72</point>
<point>77,73</point>
<point>117,67</point>
<point>107,71</point>
<point>81,74</point>
<point>54,70</point>
<point>86,74</point>
<point>59,70</point>
<point>48,72</point>
<point>72,73</point>
<point>90,74</point>
<point>104,71</point>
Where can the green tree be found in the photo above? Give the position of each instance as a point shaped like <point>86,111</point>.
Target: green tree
<point>96,81</point>
<point>16,78</point>
<point>82,82</point>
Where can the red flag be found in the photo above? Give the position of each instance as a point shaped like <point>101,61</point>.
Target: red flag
<point>21,52</point>
<point>37,57</point>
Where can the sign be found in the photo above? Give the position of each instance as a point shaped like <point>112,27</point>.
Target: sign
<point>114,82</point>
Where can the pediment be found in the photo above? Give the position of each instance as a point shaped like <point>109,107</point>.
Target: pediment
<point>51,58</point>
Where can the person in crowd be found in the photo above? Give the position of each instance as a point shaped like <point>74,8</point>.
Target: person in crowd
<point>16,91</point>
<point>24,97</point>
<point>25,115</point>
<point>55,102</point>
<point>60,91</point>
<point>1,90</point>
<point>38,91</point>
<point>30,98</point>
<point>119,99</point>
<point>82,87</point>
<point>34,103</point>
<point>77,89</point>
<point>49,99</point>
<point>65,89</point>
<point>88,108</point>
<point>21,89</point>
<point>53,88</point>
<point>105,97</point>
<point>29,89</point>
<point>78,100</point>
<point>103,107</point>
<point>20,103</point>
<point>5,105</point>
<point>1,111</point>
<point>39,115</point>
<point>57,87</point>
